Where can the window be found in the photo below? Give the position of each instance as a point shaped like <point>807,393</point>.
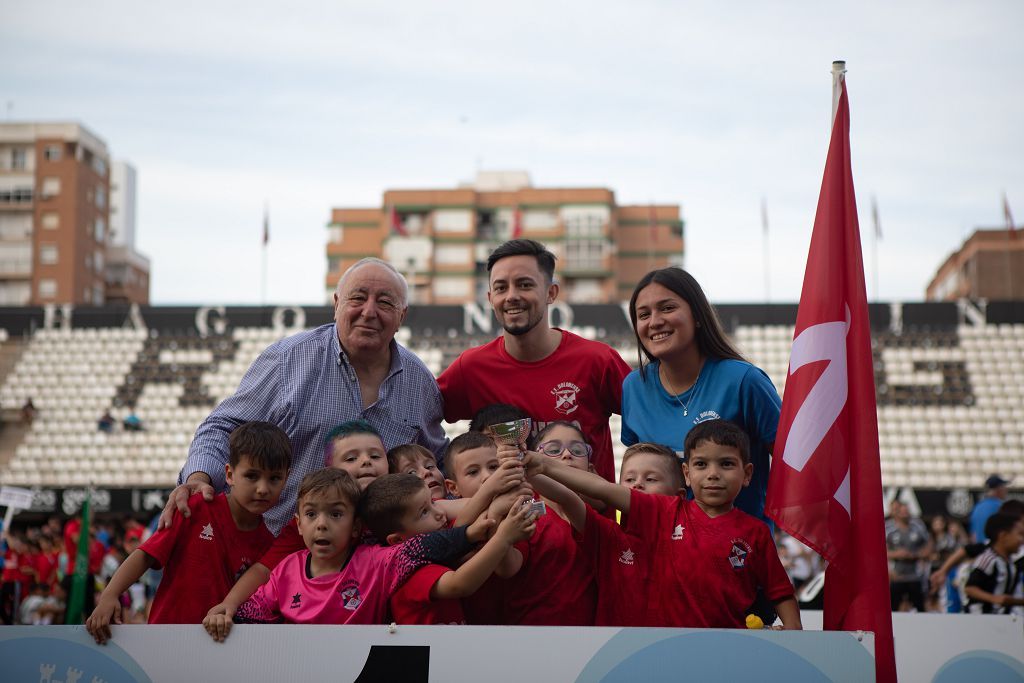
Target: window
<point>585,221</point>
<point>88,261</point>
<point>540,219</point>
<point>335,234</point>
<point>15,225</point>
<point>101,198</point>
<point>48,254</point>
<point>453,220</point>
<point>52,153</point>
<point>50,220</point>
<point>15,195</point>
<point>457,288</point>
<point>19,159</point>
<point>454,255</point>
<point>97,294</point>
<point>99,165</point>
<point>99,229</point>
<point>98,262</point>
<point>51,187</point>
<point>47,288</point>
<point>584,255</point>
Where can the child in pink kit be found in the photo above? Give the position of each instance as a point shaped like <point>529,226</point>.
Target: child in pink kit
<point>337,580</point>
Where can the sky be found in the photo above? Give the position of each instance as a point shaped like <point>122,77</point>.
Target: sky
<point>225,106</point>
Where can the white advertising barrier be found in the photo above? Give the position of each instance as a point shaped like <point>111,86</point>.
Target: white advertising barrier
<point>948,648</point>
<point>66,654</point>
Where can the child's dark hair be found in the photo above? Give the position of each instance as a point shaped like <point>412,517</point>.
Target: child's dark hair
<point>407,450</point>
<point>535,441</point>
<point>708,333</point>
<point>999,523</point>
<point>545,259</point>
<point>346,429</point>
<point>329,482</point>
<point>265,444</point>
<point>464,442</point>
<point>385,501</point>
<point>496,413</point>
<point>665,455</point>
<point>720,432</point>
<point>1013,507</point>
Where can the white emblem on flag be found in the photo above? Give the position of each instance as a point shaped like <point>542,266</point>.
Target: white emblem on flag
<point>207,533</point>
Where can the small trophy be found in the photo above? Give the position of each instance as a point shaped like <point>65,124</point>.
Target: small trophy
<point>512,433</point>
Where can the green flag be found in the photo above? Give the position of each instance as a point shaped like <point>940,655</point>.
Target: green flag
<point>79,580</point>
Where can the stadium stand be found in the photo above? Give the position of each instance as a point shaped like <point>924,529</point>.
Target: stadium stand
<point>950,382</point>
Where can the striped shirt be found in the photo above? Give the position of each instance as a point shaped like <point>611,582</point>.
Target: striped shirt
<point>993,574</point>
<point>306,385</point>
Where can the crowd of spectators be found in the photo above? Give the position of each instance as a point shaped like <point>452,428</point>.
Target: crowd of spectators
<point>37,562</point>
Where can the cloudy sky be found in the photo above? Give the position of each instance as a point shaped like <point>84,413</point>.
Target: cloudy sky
<point>224,105</point>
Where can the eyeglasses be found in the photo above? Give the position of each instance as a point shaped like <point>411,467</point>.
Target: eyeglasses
<point>577,449</point>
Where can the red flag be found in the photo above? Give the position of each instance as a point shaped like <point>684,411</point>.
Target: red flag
<point>1010,226</point>
<point>517,224</point>
<point>266,226</point>
<point>395,222</point>
<point>826,486</point>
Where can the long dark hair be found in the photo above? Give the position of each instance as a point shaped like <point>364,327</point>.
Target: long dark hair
<point>711,339</point>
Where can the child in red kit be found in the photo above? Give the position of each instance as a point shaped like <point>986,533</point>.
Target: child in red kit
<point>709,558</point>
<point>204,554</point>
<point>397,507</point>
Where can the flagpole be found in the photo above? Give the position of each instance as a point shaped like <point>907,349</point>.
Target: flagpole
<point>838,69</point>
<point>263,268</point>
<point>874,246</point>
<point>1011,233</point>
<point>767,254</point>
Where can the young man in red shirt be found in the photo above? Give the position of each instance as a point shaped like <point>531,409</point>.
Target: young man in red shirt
<point>550,373</point>
<point>204,554</point>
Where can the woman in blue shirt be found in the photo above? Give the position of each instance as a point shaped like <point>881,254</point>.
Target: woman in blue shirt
<point>690,372</point>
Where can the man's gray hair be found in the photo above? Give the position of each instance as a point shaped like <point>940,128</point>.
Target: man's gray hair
<point>373,260</point>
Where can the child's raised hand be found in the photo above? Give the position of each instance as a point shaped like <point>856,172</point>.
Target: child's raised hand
<point>98,624</point>
<point>520,523</point>
<point>508,452</point>
<point>507,477</point>
<point>503,503</point>
<point>218,623</point>
<point>480,529</point>
<point>533,463</point>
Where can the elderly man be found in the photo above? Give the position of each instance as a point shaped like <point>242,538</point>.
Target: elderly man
<point>551,374</point>
<point>310,382</point>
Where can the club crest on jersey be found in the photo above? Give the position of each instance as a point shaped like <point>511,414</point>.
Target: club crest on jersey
<point>350,598</point>
<point>738,554</point>
<point>677,533</point>
<point>566,400</point>
<point>627,557</point>
<point>207,533</point>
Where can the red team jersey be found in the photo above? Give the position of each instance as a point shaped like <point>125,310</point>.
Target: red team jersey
<point>555,586</point>
<point>411,604</point>
<point>706,570</point>
<point>202,557</point>
<point>621,563</point>
<point>581,382</point>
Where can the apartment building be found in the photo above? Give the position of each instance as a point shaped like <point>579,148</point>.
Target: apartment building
<point>988,265</point>
<point>55,213</point>
<point>440,238</point>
